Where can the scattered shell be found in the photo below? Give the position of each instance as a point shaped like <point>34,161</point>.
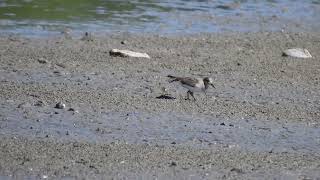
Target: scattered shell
<point>297,52</point>
<point>60,105</point>
<point>127,53</point>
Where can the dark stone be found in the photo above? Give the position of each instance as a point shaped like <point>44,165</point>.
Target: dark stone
<point>222,124</point>
<point>165,97</point>
<point>236,170</point>
<point>173,164</point>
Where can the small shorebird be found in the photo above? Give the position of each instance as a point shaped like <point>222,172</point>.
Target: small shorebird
<point>193,84</point>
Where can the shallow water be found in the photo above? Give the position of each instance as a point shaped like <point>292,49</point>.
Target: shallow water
<point>46,17</point>
<point>198,131</point>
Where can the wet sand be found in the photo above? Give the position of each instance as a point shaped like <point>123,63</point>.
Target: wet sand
<point>260,122</point>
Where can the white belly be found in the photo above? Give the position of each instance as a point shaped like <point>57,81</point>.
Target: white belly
<point>198,88</point>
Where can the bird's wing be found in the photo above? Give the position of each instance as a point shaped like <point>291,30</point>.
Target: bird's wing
<point>189,81</point>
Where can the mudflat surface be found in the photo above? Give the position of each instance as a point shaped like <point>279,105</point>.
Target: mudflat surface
<point>260,122</point>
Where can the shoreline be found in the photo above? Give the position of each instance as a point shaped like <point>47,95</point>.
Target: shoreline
<point>263,113</point>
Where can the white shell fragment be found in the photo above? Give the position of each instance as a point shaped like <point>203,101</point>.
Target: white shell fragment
<point>127,53</point>
<point>297,52</point>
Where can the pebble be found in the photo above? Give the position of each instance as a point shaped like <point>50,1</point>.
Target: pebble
<point>42,61</point>
<point>165,97</point>
<point>297,52</point>
<point>124,42</point>
<point>173,164</point>
<point>71,109</point>
<point>60,105</point>
<point>236,170</point>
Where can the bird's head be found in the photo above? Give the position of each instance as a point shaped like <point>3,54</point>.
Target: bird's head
<point>208,81</point>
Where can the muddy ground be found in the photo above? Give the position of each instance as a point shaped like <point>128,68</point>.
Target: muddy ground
<point>260,122</point>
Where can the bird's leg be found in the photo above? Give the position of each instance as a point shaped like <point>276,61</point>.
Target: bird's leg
<point>204,91</point>
<point>188,96</point>
<point>191,93</point>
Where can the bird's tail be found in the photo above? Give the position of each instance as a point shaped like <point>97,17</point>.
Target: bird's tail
<point>173,78</point>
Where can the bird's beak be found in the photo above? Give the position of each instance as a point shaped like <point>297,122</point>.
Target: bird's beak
<point>212,85</point>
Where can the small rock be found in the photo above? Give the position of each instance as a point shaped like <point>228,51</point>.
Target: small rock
<point>59,73</point>
<point>173,142</point>
<point>124,42</point>
<point>222,124</point>
<point>60,105</point>
<point>127,53</point>
<point>297,52</point>
<point>236,170</point>
<point>173,164</point>
<point>42,61</point>
<point>71,109</point>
